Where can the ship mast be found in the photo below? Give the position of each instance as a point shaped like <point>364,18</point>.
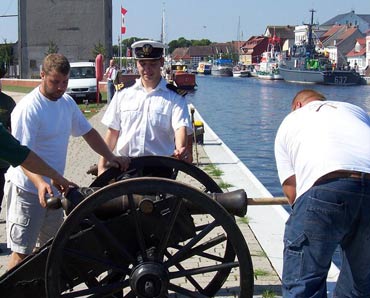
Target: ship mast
<point>310,43</point>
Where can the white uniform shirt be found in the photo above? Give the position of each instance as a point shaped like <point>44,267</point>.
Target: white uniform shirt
<point>321,137</point>
<point>147,121</point>
<point>45,126</point>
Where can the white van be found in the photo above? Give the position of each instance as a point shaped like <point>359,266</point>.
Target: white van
<point>82,82</point>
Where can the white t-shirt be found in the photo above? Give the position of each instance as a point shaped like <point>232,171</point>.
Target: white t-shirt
<point>111,73</point>
<point>45,126</point>
<point>147,121</point>
<point>322,137</point>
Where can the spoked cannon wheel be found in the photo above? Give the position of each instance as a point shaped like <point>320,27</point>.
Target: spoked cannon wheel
<point>155,248</point>
<point>174,169</point>
<point>168,167</point>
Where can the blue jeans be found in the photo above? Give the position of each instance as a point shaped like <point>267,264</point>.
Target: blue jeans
<point>110,90</point>
<point>333,213</point>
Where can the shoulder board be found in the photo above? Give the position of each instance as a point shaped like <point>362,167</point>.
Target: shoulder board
<point>179,91</point>
<point>121,86</point>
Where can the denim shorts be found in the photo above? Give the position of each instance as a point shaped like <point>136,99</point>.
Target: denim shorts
<point>331,214</point>
<point>28,224</point>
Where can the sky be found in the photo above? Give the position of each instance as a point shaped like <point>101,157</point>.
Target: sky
<point>215,20</point>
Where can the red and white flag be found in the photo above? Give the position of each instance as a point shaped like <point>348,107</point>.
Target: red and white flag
<point>123,27</point>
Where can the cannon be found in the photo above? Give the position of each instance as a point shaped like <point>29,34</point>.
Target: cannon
<point>142,233</point>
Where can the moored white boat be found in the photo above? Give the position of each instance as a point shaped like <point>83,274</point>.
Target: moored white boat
<point>241,71</point>
<point>222,67</point>
<point>269,65</point>
<point>204,68</point>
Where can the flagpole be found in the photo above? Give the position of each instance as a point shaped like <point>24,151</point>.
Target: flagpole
<point>120,44</point>
<point>119,49</point>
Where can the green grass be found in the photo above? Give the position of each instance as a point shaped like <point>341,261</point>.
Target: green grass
<point>224,185</point>
<point>268,294</point>
<point>213,170</point>
<point>244,220</point>
<point>260,272</point>
<point>20,89</point>
<point>91,109</point>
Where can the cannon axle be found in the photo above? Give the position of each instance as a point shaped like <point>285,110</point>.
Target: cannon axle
<point>149,279</point>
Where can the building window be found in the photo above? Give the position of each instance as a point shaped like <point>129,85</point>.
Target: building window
<point>32,63</point>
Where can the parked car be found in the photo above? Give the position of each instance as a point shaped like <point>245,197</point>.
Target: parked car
<point>82,84</point>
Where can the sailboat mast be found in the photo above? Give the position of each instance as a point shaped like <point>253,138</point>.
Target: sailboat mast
<point>238,32</point>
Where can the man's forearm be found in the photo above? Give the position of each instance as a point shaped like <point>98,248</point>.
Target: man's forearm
<point>181,138</point>
<point>35,164</point>
<point>97,143</point>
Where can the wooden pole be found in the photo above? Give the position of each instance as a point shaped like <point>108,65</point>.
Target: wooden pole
<point>192,110</point>
<point>268,201</point>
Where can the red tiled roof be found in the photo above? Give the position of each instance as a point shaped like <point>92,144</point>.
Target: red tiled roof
<point>360,53</point>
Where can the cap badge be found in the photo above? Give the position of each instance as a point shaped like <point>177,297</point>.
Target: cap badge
<point>147,49</point>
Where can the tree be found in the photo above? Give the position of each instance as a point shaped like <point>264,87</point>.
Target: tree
<point>6,57</point>
<point>202,42</point>
<point>127,43</point>
<point>184,43</point>
<point>99,49</point>
<point>52,48</point>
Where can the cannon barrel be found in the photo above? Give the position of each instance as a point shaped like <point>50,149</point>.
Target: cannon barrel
<point>235,202</point>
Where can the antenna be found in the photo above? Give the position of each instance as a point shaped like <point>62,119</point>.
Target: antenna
<point>238,32</point>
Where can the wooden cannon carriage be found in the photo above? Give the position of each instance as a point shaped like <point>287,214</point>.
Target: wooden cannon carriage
<point>134,235</point>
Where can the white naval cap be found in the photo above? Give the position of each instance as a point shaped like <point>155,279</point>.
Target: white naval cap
<point>148,49</point>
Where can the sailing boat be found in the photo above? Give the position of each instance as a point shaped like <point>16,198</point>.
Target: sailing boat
<point>240,70</point>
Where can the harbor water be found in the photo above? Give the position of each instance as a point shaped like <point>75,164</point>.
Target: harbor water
<point>246,113</point>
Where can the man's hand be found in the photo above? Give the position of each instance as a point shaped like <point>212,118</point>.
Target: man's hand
<point>62,184</point>
<point>183,154</point>
<point>121,162</point>
<point>44,188</point>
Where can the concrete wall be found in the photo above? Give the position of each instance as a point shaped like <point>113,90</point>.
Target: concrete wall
<point>74,26</point>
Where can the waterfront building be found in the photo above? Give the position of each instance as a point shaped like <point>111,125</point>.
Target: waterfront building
<point>357,57</point>
<point>361,21</point>
<point>73,28</point>
<point>338,41</point>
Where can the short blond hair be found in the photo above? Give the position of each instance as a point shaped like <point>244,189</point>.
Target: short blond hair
<point>56,62</point>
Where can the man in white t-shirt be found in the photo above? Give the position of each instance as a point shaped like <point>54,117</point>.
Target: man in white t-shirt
<point>322,151</point>
<point>43,121</point>
<point>111,74</point>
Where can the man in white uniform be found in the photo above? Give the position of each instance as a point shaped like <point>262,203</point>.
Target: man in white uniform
<point>322,151</point>
<point>43,121</point>
<point>148,118</point>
